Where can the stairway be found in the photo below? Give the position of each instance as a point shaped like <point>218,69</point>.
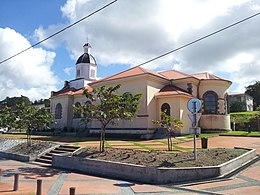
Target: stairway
<point>46,159</point>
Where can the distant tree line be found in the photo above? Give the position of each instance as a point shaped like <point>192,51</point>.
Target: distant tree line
<point>14,101</point>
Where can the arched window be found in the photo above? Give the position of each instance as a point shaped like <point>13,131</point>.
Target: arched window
<point>58,111</point>
<point>76,114</point>
<point>78,73</point>
<point>166,108</point>
<point>87,106</point>
<point>88,102</point>
<point>210,102</point>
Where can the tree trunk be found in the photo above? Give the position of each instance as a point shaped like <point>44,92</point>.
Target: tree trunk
<point>169,148</point>
<point>28,137</point>
<point>169,143</point>
<point>102,140</point>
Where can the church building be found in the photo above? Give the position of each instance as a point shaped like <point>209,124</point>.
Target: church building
<point>168,90</point>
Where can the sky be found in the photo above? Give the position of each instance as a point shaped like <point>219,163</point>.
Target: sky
<point>125,34</point>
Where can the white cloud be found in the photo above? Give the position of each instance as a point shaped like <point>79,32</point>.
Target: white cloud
<point>41,34</point>
<point>68,70</point>
<point>181,16</point>
<point>133,31</point>
<point>27,74</point>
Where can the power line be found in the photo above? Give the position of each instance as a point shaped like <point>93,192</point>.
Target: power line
<point>58,32</point>
<point>199,39</point>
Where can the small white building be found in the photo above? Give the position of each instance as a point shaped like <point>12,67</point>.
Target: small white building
<point>246,100</point>
<point>168,90</point>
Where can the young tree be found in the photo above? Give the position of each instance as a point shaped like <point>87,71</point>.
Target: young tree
<point>32,118</point>
<point>170,124</point>
<point>7,117</point>
<point>106,106</point>
<point>25,117</point>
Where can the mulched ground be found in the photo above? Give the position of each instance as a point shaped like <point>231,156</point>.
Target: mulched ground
<point>206,157</point>
<point>33,150</point>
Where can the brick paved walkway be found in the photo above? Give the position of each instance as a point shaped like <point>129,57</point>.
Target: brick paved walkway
<point>227,142</point>
<point>58,181</point>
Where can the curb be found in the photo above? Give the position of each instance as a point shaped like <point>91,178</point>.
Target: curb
<point>151,175</point>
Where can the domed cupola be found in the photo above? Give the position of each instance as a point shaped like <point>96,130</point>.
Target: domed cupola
<point>86,65</point>
<point>86,57</point>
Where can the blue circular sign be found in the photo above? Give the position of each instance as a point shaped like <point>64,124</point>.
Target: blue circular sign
<point>194,105</point>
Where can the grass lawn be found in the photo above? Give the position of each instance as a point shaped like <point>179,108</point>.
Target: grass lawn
<point>248,113</point>
<point>242,117</point>
<point>202,135</point>
<point>149,145</point>
<point>242,133</point>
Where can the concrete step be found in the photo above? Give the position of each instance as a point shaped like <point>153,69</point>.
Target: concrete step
<point>48,154</point>
<point>41,164</point>
<point>45,161</point>
<point>66,149</point>
<point>69,147</point>
<point>46,157</point>
<point>57,151</point>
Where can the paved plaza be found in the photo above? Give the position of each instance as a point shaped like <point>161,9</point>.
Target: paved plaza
<point>247,181</point>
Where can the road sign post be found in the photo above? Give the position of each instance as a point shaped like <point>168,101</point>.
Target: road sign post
<point>194,106</point>
<point>194,125</point>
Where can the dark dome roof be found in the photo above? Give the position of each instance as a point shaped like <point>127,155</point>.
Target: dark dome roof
<point>86,58</point>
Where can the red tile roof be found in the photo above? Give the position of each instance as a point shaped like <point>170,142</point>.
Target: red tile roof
<point>170,90</point>
<point>129,73</point>
<point>174,74</point>
<point>206,76</point>
<point>70,91</point>
<point>168,75</point>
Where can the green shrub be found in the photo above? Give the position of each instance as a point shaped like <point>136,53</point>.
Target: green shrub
<point>244,119</point>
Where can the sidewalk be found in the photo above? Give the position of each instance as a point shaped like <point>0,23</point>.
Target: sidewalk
<point>227,142</point>
<point>245,182</point>
<point>58,181</point>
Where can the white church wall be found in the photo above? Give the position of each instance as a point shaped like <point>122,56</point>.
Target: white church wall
<point>183,84</point>
<point>153,86</point>
<point>93,72</point>
<point>221,120</point>
<point>77,84</point>
<point>83,70</point>
<point>218,86</point>
<point>60,123</point>
<point>183,115</point>
<point>178,109</point>
<point>134,86</point>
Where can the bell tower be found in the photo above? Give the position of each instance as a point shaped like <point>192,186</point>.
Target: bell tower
<point>86,67</point>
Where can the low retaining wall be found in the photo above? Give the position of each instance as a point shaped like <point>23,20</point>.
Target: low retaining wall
<point>154,175</point>
<point>18,157</point>
<point>23,158</point>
